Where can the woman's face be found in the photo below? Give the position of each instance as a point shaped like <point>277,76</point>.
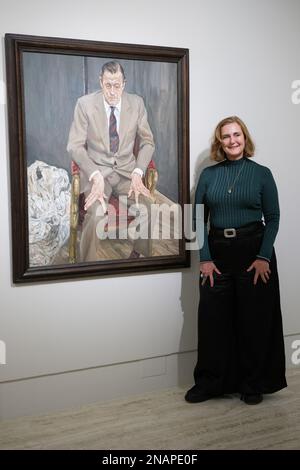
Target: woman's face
<point>233,140</point>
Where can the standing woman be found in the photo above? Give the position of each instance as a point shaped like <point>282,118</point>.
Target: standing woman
<point>240,338</point>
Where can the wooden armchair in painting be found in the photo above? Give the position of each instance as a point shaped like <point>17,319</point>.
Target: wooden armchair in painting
<point>77,211</point>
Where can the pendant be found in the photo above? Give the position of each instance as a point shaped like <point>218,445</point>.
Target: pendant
<point>229,190</point>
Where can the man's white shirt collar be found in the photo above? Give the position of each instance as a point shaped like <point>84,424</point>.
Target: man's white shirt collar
<point>108,106</point>
<point>117,111</point>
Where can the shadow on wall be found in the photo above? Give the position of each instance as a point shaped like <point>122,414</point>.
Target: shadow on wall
<point>190,291</point>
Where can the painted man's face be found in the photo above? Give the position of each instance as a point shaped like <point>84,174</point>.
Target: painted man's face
<point>112,85</point>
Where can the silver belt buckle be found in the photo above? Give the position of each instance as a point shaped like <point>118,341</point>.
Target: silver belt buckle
<point>229,232</point>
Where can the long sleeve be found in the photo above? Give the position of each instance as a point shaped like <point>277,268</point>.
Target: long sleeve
<point>77,143</point>
<point>271,213</point>
<point>254,197</point>
<point>200,218</point>
<point>146,142</point>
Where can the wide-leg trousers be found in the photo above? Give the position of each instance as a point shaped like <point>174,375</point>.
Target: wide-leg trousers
<point>240,337</point>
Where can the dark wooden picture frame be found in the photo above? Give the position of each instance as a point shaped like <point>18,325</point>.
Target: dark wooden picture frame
<point>28,84</point>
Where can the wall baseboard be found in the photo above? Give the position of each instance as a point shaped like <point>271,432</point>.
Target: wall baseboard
<point>40,395</point>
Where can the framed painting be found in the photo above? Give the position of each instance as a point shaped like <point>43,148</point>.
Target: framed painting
<point>99,157</point>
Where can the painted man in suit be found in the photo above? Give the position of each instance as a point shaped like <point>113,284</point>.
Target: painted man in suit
<point>101,141</point>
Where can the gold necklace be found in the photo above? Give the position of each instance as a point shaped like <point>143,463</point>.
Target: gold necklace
<point>231,187</point>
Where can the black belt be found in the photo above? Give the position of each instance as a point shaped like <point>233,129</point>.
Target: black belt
<point>236,232</point>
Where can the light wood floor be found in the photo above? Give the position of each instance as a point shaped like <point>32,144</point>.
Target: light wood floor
<point>163,420</point>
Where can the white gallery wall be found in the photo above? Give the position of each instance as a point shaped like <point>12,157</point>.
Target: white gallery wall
<point>73,342</point>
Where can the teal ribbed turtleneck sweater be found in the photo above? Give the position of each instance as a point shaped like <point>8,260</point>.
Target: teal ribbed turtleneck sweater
<point>254,196</point>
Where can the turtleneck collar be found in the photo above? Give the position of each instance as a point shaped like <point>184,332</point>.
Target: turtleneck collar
<point>235,162</point>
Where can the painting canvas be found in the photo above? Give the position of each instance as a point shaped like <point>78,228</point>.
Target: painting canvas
<point>51,83</point>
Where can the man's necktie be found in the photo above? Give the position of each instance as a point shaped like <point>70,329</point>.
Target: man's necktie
<point>113,134</point>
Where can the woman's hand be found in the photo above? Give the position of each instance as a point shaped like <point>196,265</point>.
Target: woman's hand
<point>262,269</point>
<point>207,269</point>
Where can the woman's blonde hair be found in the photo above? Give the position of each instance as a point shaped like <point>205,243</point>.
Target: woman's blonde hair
<point>217,152</point>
